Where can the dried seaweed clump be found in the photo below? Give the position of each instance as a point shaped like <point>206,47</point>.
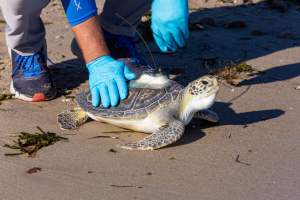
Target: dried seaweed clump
<point>6,96</point>
<point>30,143</point>
<point>234,74</point>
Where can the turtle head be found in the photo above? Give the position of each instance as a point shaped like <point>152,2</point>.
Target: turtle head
<point>198,95</point>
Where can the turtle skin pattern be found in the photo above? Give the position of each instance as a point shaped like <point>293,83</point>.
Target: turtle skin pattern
<point>164,136</point>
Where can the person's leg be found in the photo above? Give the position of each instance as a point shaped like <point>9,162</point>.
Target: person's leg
<point>25,36</point>
<point>115,11</point>
<point>25,31</point>
<point>119,20</point>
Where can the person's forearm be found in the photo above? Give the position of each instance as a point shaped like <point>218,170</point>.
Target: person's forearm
<point>82,17</point>
<point>90,39</point>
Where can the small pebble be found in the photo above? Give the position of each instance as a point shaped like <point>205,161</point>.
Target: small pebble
<point>245,126</point>
<point>145,18</point>
<point>59,37</point>
<point>112,150</point>
<point>33,170</point>
<point>66,100</point>
<point>297,87</point>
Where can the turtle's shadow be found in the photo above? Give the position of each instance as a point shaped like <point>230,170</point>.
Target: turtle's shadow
<point>230,117</point>
<point>196,129</point>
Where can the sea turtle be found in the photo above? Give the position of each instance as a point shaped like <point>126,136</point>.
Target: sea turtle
<point>162,108</point>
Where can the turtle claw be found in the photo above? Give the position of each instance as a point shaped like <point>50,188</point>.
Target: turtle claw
<point>208,115</point>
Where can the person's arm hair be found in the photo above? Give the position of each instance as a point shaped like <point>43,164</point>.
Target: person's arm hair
<point>90,39</point>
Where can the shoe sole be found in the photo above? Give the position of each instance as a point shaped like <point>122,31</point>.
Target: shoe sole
<point>37,97</point>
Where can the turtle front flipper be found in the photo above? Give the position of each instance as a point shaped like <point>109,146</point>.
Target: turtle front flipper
<point>207,115</point>
<point>72,119</point>
<point>164,136</point>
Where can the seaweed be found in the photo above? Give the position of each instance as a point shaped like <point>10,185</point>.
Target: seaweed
<point>6,96</point>
<point>30,143</point>
<point>237,160</point>
<point>234,74</point>
<point>243,67</point>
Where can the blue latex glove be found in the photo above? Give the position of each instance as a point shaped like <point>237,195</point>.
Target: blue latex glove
<point>107,80</point>
<point>170,24</point>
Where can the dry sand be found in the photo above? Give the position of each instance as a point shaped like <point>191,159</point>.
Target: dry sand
<point>259,122</point>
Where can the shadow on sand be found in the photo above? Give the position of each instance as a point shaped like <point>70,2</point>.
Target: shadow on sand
<point>277,31</point>
<point>228,116</point>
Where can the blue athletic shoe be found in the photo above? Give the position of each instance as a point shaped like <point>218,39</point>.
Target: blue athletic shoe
<point>31,80</point>
<point>120,46</point>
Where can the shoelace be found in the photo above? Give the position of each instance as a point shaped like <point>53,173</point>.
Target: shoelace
<point>28,64</point>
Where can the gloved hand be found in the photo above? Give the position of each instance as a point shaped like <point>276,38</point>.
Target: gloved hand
<point>170,24</point>
<point>107,80</point>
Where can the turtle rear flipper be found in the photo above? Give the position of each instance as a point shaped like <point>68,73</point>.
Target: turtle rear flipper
<point>207,115</point>
<point>72,119</point>
<point>166,135</point>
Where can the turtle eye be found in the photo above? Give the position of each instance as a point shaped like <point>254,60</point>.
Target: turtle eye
<point>204,82</point>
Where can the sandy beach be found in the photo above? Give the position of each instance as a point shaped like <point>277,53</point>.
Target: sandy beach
<point>252,154</point>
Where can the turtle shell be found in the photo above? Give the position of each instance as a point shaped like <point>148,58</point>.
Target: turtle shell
<point>138,105</point>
